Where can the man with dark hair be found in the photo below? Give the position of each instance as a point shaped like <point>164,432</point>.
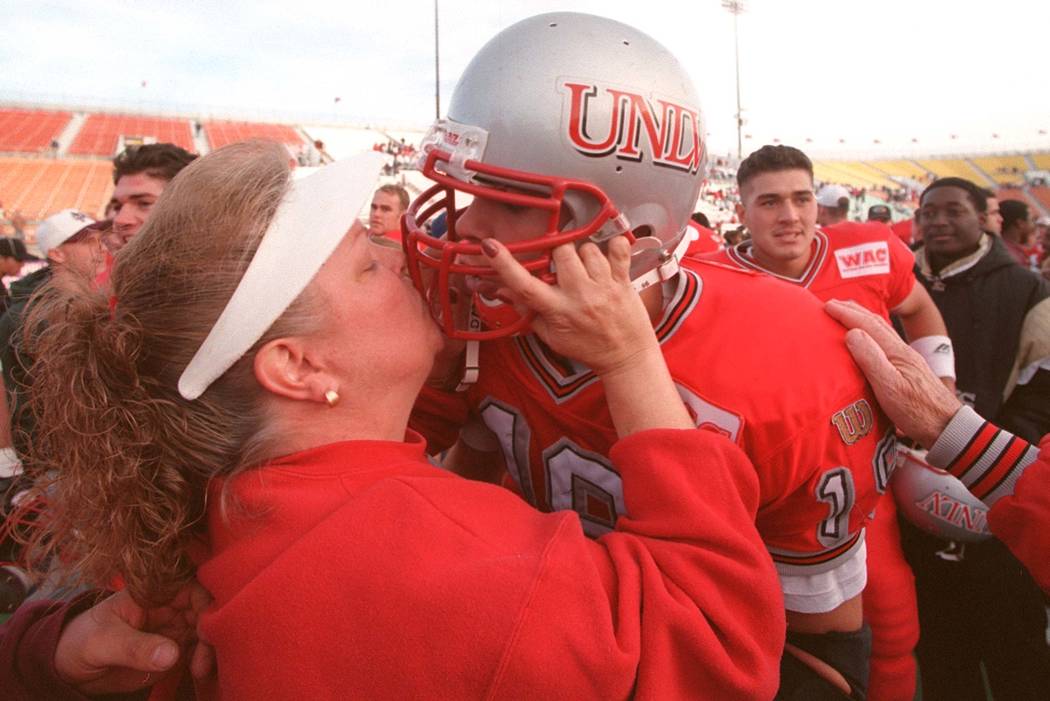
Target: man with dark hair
<point>13,255</point>
<point>1018,231</point>
<point>880,213</point>
<point>384,214</point>
<point>993,223</point>
<point>705,238</point>
<point>701,219</point>
<point>976,604</point>
<point>140,174</point>
<point>865,262</point>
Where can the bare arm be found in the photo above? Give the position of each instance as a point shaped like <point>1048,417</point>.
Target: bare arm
<point>919,315</point>
<point>920,318</point>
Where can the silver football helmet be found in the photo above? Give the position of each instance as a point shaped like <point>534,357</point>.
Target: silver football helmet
<point>581,116</point>
<point>937,502</point>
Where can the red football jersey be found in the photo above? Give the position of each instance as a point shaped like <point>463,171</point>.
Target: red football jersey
<point>801,411</point>
<point>706,240</point>
<point>904,229</point>
<point>864,262</point>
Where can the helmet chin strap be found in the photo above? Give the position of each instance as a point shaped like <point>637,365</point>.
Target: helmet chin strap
<point>666,270</point>
<point>669,264</point>
<point>470,365</point>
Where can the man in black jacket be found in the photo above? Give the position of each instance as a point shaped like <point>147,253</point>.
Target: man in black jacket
<point>976,603</point>
<point>13,255</point>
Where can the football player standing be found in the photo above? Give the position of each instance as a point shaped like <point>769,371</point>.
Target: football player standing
<point>573,128</point>
<point>867,263</point>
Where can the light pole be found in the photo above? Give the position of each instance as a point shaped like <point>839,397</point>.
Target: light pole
<point>437,70</point>
<point>736,8</point>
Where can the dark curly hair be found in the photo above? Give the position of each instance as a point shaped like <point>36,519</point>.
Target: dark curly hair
<point>162,161</point>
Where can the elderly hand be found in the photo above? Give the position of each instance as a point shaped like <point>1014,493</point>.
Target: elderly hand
<point>107,649</point>
<point>908,391</point>
<point>592,314</point>
<point>595,316</point>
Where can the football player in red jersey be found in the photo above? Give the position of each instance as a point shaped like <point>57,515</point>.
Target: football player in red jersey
<point>549,133</point>
<point>867,263</point>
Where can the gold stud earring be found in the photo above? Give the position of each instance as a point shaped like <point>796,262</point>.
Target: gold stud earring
<point>332,397</point>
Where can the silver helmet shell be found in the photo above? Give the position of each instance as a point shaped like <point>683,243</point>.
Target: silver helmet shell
<point>937,502</point>
<point>582,115</point>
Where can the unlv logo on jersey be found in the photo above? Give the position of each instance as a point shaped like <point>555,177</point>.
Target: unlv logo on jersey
<point>605,120</point>
<point>854,422</point>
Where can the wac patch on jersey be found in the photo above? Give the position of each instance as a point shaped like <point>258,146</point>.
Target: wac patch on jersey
<point>865,259</point>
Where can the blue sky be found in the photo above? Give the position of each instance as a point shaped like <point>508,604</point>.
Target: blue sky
<point>825,70</point>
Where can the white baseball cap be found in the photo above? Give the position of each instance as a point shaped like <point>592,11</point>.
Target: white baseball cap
<point>829,195</point>
<point>59,228</point>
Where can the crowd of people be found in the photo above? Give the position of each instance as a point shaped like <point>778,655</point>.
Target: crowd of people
<point>558,440</point>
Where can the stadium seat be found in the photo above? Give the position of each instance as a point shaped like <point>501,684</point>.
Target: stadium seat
<point>221,133</point>
<point>1042,194</point>
<point>30,131</point>
<point>1041,160</point>
<point>954,168</point>
<point>38,188</point>
<point>901,168</point>
<point>1004,170</point>
<point>852,173</point>
<point>100,134</point>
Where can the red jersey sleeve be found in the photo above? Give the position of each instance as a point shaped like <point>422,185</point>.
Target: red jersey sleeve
<point>902,271</point>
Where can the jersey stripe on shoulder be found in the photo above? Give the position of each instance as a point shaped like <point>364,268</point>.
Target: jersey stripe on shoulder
<point>562,385</point>
<point>741,254</point>
<point>682,303</point>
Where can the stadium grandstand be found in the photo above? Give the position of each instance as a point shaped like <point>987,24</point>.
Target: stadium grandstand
<point>30,131</point>
<point>1022,176</point>
<point>221,133</point>
<point>104,134</point>
<point>51,159</point>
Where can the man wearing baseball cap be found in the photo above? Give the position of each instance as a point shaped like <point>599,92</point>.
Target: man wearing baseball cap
<point>69,241</point>
<point>880,213</point>
<point>832,205</point>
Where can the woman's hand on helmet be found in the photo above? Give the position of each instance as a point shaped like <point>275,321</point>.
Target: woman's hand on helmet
<point>591,314</point>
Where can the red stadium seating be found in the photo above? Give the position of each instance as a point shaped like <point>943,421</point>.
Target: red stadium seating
<point>1043,195</point>
<point>30,131</point>
<point>38,188</point>
<point>1035,197</point>
<point>100,133</point>
<point>221,133</point>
